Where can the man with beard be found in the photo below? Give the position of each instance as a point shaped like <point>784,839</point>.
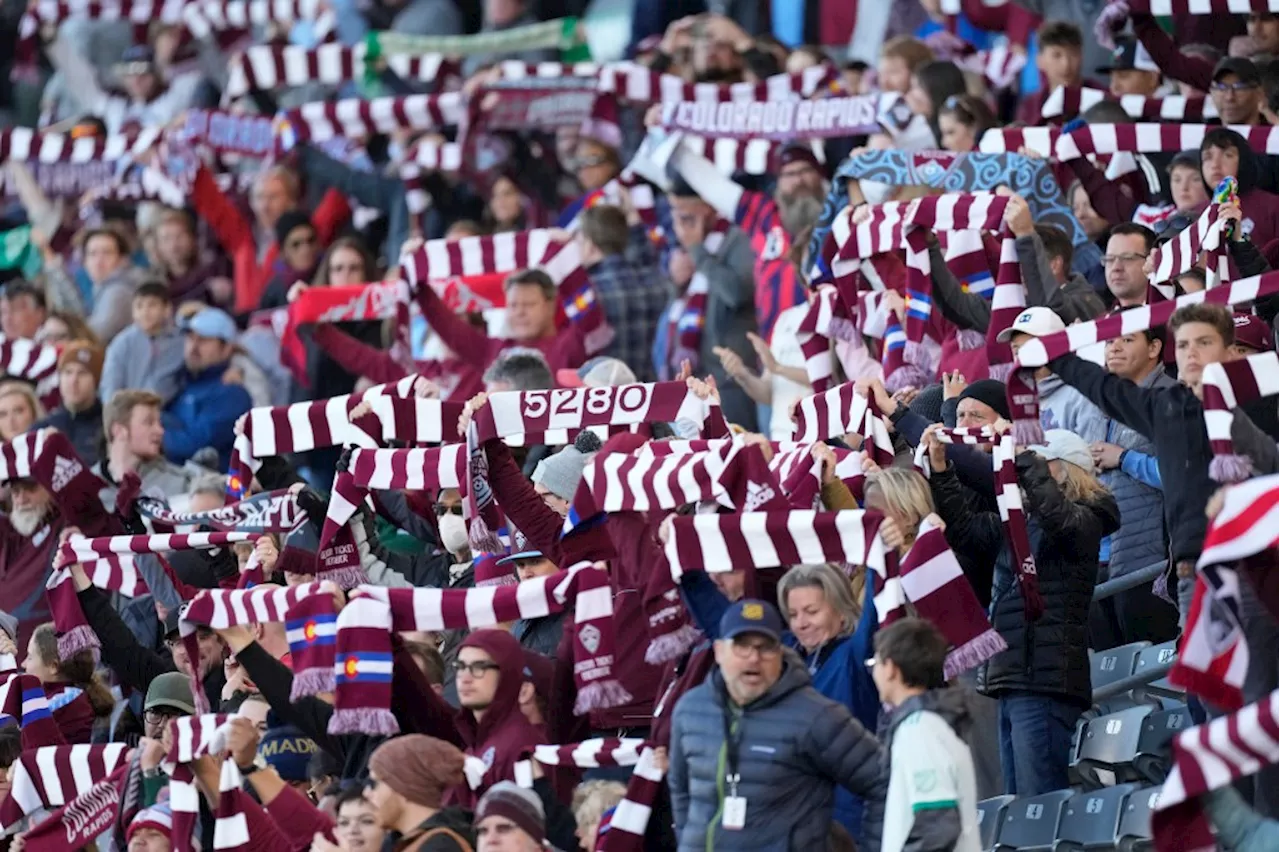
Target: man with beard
<point>27,544</point>
<point>771,222</point>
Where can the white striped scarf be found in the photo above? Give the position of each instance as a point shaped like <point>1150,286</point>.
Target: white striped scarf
<point>204,17</point>
<point>54,12</point>
<point>722,543</point>
<point>1068,102</point>
<point>631,817</point>
<point>269,67</point>
<point>634,82</point>
<point>1182,253</point>
<point>588,754</point>
<point>687,316</point>
<point>1008,500</point>
<point>359,118</point>
<point>749,156</point>
<point>51,776</point>
<point>362,651</point>
<point>219,609</point>
<point>82,820</point>
<point>1107,139</point>
<point>825,320</point>
<point>1207,758</point>
<point>33,362</point>
<point>27,145</point>
<point>24,702</point>
<point>1203,7</point>
<point>839,412</point>
<point>1224,387</point>
<point>191,738</point>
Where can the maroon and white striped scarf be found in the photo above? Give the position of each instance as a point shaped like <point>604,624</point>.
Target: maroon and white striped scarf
<point>24,702</point>
<point>141,13</point>
<point>1200,7</point>
<point>839,412</point>
<point>1182,253</point>
<point>51,776</point>
<point>33,362</point>
<point>752,156</point>
<point>206,17</point>
<point>634,82</point>
<point>221,608</point>
<point>80,821</point>
<point>1207,758</point>
<point>631,817</point>
<point>1009,501</point>
<point>782,120</point>
<point>271,67</point>
<point>930,580</point>
<point>319,121</point>
<point>191,737</point>
<point>1066,103</point>
<point>826,320</point>
<point>362,661</point>
<point>1024,401</point>
<point>687,316</point>
<point>109,562</point>
<point>383,470</point>
<point>1213,655</point>
<point>1108,139</point>
<point>1224,387</point>
<point>269,512</point>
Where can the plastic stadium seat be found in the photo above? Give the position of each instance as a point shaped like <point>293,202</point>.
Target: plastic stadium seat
<point>990,815</point>
<point>1113,705</point>
<point>1031,823</point>
<point>1091,821</point>
<point>1158,730</point>
<point>1150,658</point>
<point>1108,747</point>
<point>1106,667</point>
<point>1135,823</point>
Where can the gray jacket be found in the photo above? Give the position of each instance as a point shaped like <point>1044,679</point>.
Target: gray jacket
<point>1140,541</point>
<point>113,303</point>
<point>139,362</point>
<point>731,313</point>
<point>796,745</point>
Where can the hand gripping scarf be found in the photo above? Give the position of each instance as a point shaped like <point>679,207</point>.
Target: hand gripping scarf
<point>362,653</point>
<point>839,412</point>
<point>80,821</point>
<point>194,737</point>
<point>534,413</point>
<point>732,474</point>
<point>631,817</point>
<point>1024,402</point>
<point>219,609</point>
<point>268,512</point>
<point>51,776</point>
<point>24,703</point>
<point>1008,500</point>
<point>109,562</point>
<point>1207,758</point>
<point>1224,387</point>
<point>1213,655</point>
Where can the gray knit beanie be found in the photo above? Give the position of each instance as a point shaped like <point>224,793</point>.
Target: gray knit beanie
<point>561,473</point>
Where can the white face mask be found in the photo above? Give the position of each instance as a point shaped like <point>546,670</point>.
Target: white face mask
<point>453,532</point>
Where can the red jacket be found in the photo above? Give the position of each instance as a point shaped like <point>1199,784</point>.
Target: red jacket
<point>236,233</point>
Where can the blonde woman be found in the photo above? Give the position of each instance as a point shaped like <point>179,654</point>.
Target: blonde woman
<point>591,801</point>
<point>19,409</point>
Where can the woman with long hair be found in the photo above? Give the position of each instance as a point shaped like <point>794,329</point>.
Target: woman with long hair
<point>961,122</point>
<point>77,695</point>
<point>932,84</point>
<point>1042,680</point>
<point>20,409</point>
<point>346,264</point>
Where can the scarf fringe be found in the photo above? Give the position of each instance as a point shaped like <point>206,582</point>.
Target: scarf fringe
<point>312,682</point>
<point>601,695</point>
<point>968,339</point>
<point>1000,372</point>
<point>77,639</point>
<point>974,653</point>
<point>672,646</point>
<point>364,720</point>
<point>347,578</point>
<point>1027,433</point>
<point>907,376</point>
<point>482,539</point>
<point>1232,468</point>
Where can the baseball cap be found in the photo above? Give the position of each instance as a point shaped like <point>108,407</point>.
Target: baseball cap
<point>171,690</point>
<point>1252,332</point>
<point>1242,66</point>
<point>488,570</point>
<point>1063,445</point>
<point>212,322</point>
<point>171,619</point>
<point>1036,322</point>
<point>519,557</point>
<point>1129,55</point>
<point>751,616</point>
<point>599,372</point>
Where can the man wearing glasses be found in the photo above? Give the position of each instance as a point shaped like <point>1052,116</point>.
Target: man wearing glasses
<point>1127,250</point>
<point>756,751</point>
<point>1237,91</point>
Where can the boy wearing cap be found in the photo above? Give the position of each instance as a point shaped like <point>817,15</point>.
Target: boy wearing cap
<point>1061,406</point>
<point>79,416</point>
<point>205,410</point>
<point>756,751</point>
<point>1132,70</point>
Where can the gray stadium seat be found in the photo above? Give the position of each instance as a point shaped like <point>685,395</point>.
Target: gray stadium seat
<point>1150,658</point>
<point>1158,730</point>
<point>1135,824</point>
<point>1091,821</point>
<point>1108,747</point>
<point>990,815</point>
<point>1031,823</point>
<point>1106,667</point>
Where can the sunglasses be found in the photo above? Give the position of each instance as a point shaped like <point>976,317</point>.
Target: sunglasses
<point>442,510</point>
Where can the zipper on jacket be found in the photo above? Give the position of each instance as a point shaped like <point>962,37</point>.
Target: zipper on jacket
<point>720,770</point>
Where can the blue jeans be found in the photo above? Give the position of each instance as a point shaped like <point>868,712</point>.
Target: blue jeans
<point>1035,742</point>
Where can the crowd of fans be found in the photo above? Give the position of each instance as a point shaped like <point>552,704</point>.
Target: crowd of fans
<point>144,333</point>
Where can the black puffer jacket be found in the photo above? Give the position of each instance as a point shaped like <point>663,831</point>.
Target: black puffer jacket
<point>1051,654</point>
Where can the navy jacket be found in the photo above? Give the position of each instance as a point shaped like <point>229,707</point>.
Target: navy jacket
<point>203,414</point>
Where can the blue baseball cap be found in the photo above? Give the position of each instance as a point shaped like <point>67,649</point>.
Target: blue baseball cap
<point>214,323</point>
<point>752,616</point>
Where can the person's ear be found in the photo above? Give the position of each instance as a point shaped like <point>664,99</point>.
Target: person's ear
<point>527,693</point>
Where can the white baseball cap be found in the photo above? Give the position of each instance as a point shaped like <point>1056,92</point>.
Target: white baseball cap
<point>1036,322</point>
<point>1067,446</point>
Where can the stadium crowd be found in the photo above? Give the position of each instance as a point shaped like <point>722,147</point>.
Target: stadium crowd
<point>435,426</point>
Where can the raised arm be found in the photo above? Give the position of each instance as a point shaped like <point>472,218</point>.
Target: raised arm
<point>369,188</point>
<point>459,335</point>
<point>966,310</point>
<point>720,192</point>
<point>1171,61</point>
<point>1118,398</point>
<point>358,358</point>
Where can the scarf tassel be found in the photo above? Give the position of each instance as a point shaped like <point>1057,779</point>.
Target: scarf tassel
<point>1230,468</point>
<point>482,539</point>
<point>907,376</point>
<point>672,646</point>
<point>601,695</point>
<point>77,639</point>
<point>312,681</point>
<point>374,721</point>
<point>974,653</point>
<point>968,339</point>
<point>346,577</point>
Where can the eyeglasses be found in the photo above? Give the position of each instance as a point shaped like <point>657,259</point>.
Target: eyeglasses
<point>174,641</point>
<point>590,162</point>
<point>160,717</point>
<point>476,669</point>
<point>442,510</point>
<point>764,647</point>
<point>1127,257</point>
<point>1237,86</point>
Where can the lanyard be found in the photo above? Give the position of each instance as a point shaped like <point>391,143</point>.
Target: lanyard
<point>732,743</point>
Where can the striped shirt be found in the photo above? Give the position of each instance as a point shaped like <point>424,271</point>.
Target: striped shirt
<point>778,287</point>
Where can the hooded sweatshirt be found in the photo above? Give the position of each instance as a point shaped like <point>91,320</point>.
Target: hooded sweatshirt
<point>1064,407</point>
<point>503,733</point>
<point>1260,219</point>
